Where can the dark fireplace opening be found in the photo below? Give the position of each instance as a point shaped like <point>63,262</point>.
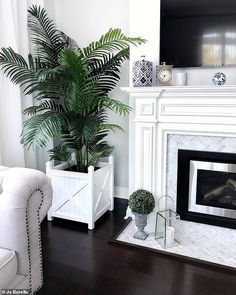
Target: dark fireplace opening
<point>206,187</point>
<point>216,189</point>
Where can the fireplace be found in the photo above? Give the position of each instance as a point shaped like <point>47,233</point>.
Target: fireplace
<point>216,189</point>
<point>206,187</point>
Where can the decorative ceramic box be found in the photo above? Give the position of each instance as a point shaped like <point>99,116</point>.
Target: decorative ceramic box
<point>142,71</point>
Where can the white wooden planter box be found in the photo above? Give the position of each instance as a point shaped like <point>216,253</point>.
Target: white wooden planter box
<point>82,197</point>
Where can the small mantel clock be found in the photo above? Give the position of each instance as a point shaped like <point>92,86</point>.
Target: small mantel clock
<point>164,74</point>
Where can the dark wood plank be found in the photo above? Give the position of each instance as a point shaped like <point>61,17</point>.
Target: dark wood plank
<point>77,261</point>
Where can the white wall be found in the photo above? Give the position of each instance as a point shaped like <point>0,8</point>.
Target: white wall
<point>145,22</point>
<point>86,21</point>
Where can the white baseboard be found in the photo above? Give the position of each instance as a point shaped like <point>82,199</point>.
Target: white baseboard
<point>121,192</point>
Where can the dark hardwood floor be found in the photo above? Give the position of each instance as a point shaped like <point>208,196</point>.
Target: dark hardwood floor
<point>81,262</point>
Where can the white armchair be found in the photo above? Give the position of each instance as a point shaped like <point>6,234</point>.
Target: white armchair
<point>24,201</point>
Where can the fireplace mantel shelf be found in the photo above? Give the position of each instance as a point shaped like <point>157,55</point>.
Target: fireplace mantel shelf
<point>192,91</point>
<point>180,88</point>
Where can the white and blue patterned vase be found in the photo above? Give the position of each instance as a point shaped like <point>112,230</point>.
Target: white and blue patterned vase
<point>142,72</point>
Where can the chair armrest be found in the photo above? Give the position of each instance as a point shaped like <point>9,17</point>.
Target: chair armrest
<point>24,202</point>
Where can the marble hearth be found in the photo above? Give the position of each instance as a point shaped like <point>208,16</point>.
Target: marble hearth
<point>165,119</point>
<point>203,242</point>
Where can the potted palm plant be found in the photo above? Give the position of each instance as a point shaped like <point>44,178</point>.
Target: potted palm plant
<point>141,203</point>
<point>71,86</point>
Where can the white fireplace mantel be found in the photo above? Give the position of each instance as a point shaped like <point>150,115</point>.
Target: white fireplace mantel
<point>158,112</point>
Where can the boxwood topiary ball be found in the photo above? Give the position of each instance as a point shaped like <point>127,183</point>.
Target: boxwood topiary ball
<point>141,201</point>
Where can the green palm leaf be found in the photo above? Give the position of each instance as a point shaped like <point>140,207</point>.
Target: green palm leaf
<point>60,153</point>
<point>109,63</point>
<point>114,105</point>
<point>83,128</point>
<point>45,36</point>
<point>39,129</point>
<point>113,40</point>
<point>44,106</point>
<point>106,56</point>
<point>16,68</point>
<point>99,150</point>
<point>106,127</point>
<point>68,141</point>
<point>82,89</point>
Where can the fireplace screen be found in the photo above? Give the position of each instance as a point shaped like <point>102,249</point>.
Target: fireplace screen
<point>211,188</point>
<point>206,187</point>
<point>216,189</point>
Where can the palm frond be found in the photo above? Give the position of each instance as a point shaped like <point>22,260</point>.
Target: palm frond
<point>15,67</point>
<point>110,127</point>
<point>101,147</point>
<point>74,63</point>
<point>113,40</point>
<point>31,111</point>
<point>109,62</point>
<point>39,129</point>
<point>48,40</point>
<point>60,153</point>
<point>68,141</point>
<point>82,89</point>
<point>99,150</point>
<point>114,105</point>
<point>107,69</point>
<point>51,74</point>
<point>83,128</point>
<point>44,106</point>
<point>106,56</point>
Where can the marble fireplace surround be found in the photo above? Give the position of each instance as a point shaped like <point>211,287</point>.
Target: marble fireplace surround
<point>165,119</point>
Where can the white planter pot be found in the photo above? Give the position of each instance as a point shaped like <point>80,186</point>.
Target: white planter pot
<point>82,197</point>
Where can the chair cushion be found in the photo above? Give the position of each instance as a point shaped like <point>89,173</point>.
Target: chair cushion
<point>8,267</point>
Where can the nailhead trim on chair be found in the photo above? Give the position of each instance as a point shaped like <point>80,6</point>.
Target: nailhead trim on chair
<point>28,241</point>
<point>40,245</point>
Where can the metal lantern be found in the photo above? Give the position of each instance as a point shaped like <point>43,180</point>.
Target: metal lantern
<point>142,72</point>
<point>167,228</point>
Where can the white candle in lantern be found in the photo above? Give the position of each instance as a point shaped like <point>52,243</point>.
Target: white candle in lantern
<point>170,235</point>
